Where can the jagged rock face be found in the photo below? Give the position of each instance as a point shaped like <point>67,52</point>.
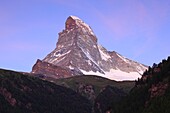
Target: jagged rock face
<point>78,50</point>
<point>76,47</point>
<point>52,71</point>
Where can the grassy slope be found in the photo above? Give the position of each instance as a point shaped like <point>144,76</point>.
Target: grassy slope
<point>98,82</point>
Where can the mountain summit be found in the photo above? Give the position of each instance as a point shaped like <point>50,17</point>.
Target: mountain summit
<point>77,52</point>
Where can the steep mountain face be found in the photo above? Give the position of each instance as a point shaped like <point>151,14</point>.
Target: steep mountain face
<point>48,70</point>
<point>77,50</point>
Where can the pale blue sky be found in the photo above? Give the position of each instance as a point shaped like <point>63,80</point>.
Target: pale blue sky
<point>137,29</point>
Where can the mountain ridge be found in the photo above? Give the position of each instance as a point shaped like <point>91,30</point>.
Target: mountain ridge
<point>77,49</point>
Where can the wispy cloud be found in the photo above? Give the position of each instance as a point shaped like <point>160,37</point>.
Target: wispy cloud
<point>131,18</point>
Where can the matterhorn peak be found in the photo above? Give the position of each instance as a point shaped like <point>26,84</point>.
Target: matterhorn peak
<point>74,22</point>
<point>78,52</point>
<point>75,18</point>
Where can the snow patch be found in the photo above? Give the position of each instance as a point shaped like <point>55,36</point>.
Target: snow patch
<point>75,18</point>
<point>55,57</point>
<point>113,74</point>
<point>60,46</point>
<point>89,62</point>
<point>71,67</point>
<point>123,58</point>
<point>60,55</point>
<point>57,60</point>
<point>104,56</point>
<point>119,75</point>
<point>94,46</point>
<point>141,68</point>
<point>91,73</point>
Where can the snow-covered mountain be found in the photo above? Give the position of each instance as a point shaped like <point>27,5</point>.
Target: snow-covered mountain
<point>78,51</point>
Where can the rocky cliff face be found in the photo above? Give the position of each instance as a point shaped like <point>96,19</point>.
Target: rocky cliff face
<point>52,71</point>
<point>77,50</point>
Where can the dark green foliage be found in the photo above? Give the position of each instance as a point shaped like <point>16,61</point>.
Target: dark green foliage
<point>159,104</point>
<point>108,97</point>
<point>133,103</point>
<point>33,95</point>
<point>140,100</point>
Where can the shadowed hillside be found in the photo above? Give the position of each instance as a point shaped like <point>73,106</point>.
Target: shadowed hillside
<point>24,94</point>
<point>151,93</point>
<point>90,86</point>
